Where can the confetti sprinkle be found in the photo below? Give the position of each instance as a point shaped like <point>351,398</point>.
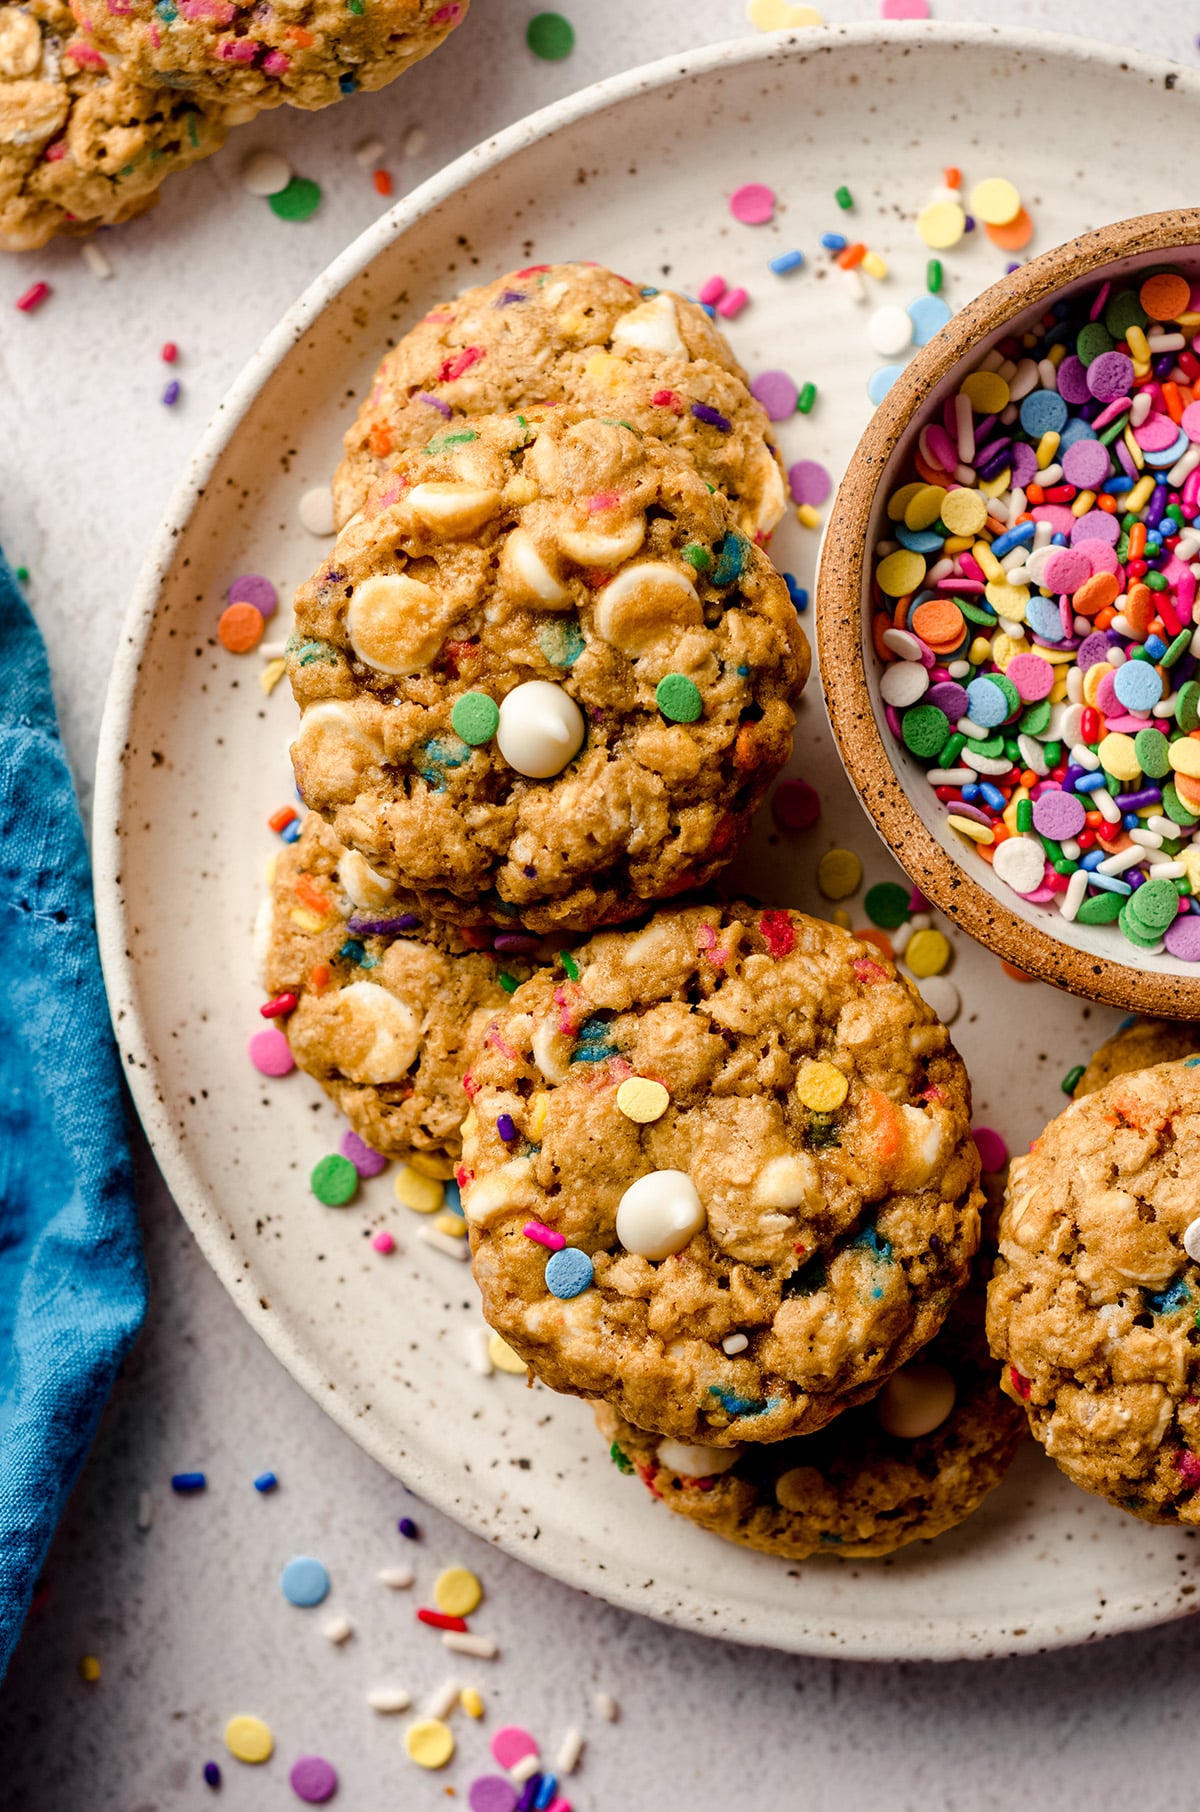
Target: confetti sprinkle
<point>304,1582</point>
<point>265,173</point>
<point>753,204</point>
<point>298,201</point>
<point>550,37</point>
<point>248,1739</point>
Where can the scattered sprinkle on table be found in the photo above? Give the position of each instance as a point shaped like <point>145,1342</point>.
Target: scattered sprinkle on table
<point>457,1592</point>
<point>839,874</point>
<point>185,1483</point>
<point>171,393</point>
<point>253,588</point>
<point>298,201</point>
<point>334,1180</point>
<point>265,1482</point>
<point>33,297</point>
<point>753,204</point>
<point>248,1739</point>
<point>408,1529</point>
<point>313,1779</point>
<point>240,628</point>
<point>315,510</point>
<point>429,1743</point>
<point>809,482</point>
<point>304,1582</point>
<point>503,1357</point>
<point>270,1053</point>
<point>89,1669</point>
<point>780,15</point>
<point>993,1152</point>
<point>795,805</point>
<point>492,1793</point>
<point>904,9</point>
<point>212,1775</point>
<point>511,1744</point>
<point>367,1162</point>
<point>424,1195</point>
<point>265,173</point>
<point>550,37</point>
<point>777,393</point>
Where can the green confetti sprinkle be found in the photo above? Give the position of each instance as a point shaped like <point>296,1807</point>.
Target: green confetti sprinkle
<point>843,197</point>
<point>550,37</point>
<point>806,399</point>
<point>299,201</point>
<point>934,277</point>
<point>678,698</point>
<point>887,904</point>
<point>570,966</point>
<point>475,717</point>
<point>697,556</point>
<point>334,1181</point>
<point>1072,1079</point>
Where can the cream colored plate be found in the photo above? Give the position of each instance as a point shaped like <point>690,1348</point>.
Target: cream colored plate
<point>634,172</point>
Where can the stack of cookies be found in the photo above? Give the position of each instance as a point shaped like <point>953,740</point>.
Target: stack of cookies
<point>717,1168</point>
<point>101,100</point>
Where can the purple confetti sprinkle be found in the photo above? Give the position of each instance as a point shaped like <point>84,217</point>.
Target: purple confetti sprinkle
<point>364,927</point>
<point>516,942</point>
<point>435,402</point>
<point>367,1162</point>
<point>777,394</point>
<point>713,417</point>
<point>313,1779</point>
<point>506,1127</point>
<point>809,482</point>
<point>170,395</point>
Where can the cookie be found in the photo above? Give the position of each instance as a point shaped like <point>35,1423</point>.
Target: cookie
<point>308,53</point>
<point>1138,1046</point>
<point>82,144</point>
<point>577,334</point>
<point>751,1138</point>
<point>543,675</point>
<point>1093,1306</point>
<point>914,1462</point>
<point>385,1004</point>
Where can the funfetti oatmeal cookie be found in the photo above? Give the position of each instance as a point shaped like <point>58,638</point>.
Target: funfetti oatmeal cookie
<point>1139,1047</point>
<point>378,1005</point>
<point>543,675</point>
<point>718,1172</point>
<point>308,53</point>
<point>914,1462</point>
<point>576,334</point>
<point>82,144</point>
<point>1093,1306</point>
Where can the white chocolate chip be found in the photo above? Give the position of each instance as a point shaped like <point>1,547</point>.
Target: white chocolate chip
<point>590,547</point>
<point>794,1488</point>
<point>396,624</point>
<point>696,1462</point>
<point>551,1050</point>
<point>365,887</point>
<point>659,1214</point>
<point>509,1187</point>
<point>1191,1241</point>
<point>541,729</point>
<point>20,43</point>
<point>652,327</point>
<point>793,1181</point>
<point>331,736</point>
<point>370,1036</point>
<point>453,509</point>
<point>525,576</point>
<point>762,470</point>
<point>915,1400</point>
<point>923,1142</point>
<point>644,603</point>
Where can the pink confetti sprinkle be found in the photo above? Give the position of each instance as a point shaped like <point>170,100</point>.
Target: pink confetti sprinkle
<point>732,304</point>
<point>753,204</point>
<point>270,1053</point>
<point>276,64</point>
<point>777,394</point>
<point>543,1235</point>
<point>715,287</point>
<point>383,1241</point>
<point>237,50</point>
<point>904,9</point>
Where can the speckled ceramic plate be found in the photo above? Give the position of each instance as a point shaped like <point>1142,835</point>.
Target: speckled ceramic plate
<point>635,173</point>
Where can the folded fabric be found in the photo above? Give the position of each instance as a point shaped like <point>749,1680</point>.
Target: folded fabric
<point>72,1282</point>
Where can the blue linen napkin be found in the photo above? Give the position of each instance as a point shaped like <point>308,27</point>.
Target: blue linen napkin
<point>72,1282</point>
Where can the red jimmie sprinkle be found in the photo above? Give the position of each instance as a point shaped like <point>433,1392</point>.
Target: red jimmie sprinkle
<point>279,1007</point>
<point>33,298</point>
<point>169,353</point>
<point>383,182</point>
<point>438,1620</point>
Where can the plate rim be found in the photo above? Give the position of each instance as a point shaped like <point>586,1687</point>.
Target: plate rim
<point>140,1063</point>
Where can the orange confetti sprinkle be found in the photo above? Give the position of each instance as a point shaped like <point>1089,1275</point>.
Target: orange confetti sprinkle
<point>240,628</point>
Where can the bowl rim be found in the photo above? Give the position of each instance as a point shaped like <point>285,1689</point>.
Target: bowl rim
<point>839,605</point>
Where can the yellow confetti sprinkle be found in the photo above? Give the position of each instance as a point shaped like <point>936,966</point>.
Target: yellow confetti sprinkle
<point>899,500</point>
<point>642,1099</point>
<point>987,391</point>
<point>424,1195</point>
<point>839,874</point>
<point>427,1166</point>
<point>841,918</point>
<point>964,511</point>
<point>1118,755</point>
<point>928,952</point>
<point>900,573</point>
<point>606,368</point>
<point>307,921</point>
<point>925,507</point>
<point>89,1669</point>
<point>457,1592</point>
<point>429,1743</point>
<point>821,1086</point>
<point>451,1224</point>
<point>875,266</point>
<point>941,225</point>
<point>472,1704</point>
<point>967,827</point>
<point>807,517</point>
<point>503,1357</point>
<point>779,15</point>
<point>995,201</point>
<point>271,675</point>
<point>1184,757</point>
<point>539,1107</point>
<point>249,1740</point>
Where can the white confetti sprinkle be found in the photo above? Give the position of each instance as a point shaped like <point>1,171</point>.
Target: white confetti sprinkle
<point>477,1351</point>
<point>526,1768</point>
<point>442,1242</point>
<point>388,1699</point>
<point>369,153</point>
<point>464,1642</point>
<point>95,259</point>
<point>145,1510</point>
<point>442,1702</point>
<point>398,1579</point>
<point>316,510</point>
<point>337,1630</point>
<point>940,993</point>
<point>265,173</point>
<point>569,1752</point>
<point>415,141</point>
<point>606,1707</point>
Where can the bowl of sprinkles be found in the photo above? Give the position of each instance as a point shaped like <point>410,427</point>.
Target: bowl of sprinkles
<point>1009,616</point>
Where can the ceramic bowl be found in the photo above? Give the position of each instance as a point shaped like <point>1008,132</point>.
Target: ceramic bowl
<point>1095,961</point>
